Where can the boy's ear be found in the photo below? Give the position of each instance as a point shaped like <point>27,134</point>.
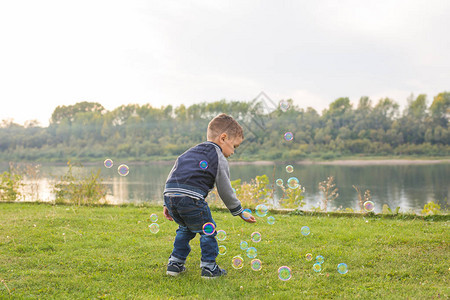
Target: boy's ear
<point>223,136</point>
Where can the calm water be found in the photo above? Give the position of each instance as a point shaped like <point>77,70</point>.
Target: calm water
<point>407,186</point>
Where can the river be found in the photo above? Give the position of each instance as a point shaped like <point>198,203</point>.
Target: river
<point>395,183</point>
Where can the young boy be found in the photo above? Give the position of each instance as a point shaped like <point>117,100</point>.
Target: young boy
<point>194,174</point>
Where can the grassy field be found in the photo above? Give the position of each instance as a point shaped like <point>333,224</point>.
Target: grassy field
<point>108,252</point>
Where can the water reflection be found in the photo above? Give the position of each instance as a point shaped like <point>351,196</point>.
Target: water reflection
<point>408,186</point>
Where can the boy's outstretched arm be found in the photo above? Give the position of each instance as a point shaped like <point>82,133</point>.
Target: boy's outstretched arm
<point>166,214</point>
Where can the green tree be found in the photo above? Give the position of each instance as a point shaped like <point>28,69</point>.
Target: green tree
<point>440,110</point>
<point>413,120</point>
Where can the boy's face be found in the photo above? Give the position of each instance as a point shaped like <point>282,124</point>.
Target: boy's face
<point>228,145</point>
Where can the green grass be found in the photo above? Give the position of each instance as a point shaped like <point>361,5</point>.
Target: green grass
<point>108,252</point>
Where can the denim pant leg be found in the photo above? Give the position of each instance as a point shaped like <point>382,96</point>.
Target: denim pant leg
<point>181,247</point>
<point>208,243</point>
<point>191,214</point>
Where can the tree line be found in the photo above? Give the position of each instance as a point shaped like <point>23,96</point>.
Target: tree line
<point>86,131</point>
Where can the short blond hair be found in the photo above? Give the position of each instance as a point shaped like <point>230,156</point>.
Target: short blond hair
<point>224,123</point>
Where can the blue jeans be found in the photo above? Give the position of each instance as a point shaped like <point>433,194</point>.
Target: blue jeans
<point>190,214</point>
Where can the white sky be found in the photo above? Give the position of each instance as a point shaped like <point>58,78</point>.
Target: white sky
<point>183,52</point>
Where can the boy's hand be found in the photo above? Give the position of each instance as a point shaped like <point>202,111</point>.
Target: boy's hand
<point>166,214</point>
<point>247,217</point>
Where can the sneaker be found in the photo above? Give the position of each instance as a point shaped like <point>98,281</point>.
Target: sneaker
<point>175,269</point>
<point>215,272</point>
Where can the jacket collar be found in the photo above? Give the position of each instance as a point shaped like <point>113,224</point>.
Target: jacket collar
<point>214,144</point>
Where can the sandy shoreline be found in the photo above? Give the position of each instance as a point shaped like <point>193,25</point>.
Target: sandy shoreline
<point>351,162</point>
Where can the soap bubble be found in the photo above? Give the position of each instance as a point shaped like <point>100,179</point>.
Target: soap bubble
<point>108,163</point>
<point>288,136</point>
<point>317,267</point>
<point>252,252</point>
<point>256,237</point>
<point>309,256</point>
<point>305,230</point>
<point>320,259</point>
<point>203,164</point>
<point>209,228</point>
<point>369,206</point>
<point>222,250</point>
<point>154,218</point>
<point>237,262</point>
<point>154,227</point>
<point>293,183</point>
<point>123,170</point>
<point>342,268</point>
<point>289,168</point>
<point>279,182</point>
<point>284,273</point>
<point>243,245</point>
<point>284,105</point>
<point>221,235</point>
<point>256,264</point>
<point>271,220</point>
<point>261,210</point>
<point>247,213</point>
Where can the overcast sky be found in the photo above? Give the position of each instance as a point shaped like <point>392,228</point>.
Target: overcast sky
<point>183,52</point>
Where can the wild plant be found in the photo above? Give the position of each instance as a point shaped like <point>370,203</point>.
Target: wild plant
<point>292,197</point>
<point>329,191</point>
<point>79,189</point>
<point>362,199</point>
<point>256,191</point>
<point>259,191</point>
<point>431,208</point>
<point>10,185</point>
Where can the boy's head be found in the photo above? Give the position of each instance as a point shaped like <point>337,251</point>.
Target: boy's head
<point>226,132</point>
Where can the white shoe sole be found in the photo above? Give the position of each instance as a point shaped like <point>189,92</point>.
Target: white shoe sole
<point>207,277</point>
<point>173,273</point>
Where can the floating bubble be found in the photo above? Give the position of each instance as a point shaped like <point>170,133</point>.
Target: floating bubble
<point>369,206</point>
<point>237,262</point>
<point>256,264</point>
<point>222,250</point>
<point>221,235</point>
<point>271,220</point>
<point>320,259</point>
<point>256,237</point>
<point>243,245</point>
<point>279,182</point>
<point>305,230</point>
<point>108,163</point>
<point>209,228</point>
<point>288,136</point>
<point>284,273</point>
<point>247,213</point>
<point>293,183</point>
<point>342,268</point>
<point>284,105</point>
<point>309,256</point>
<point>252,252</point>
<point>261,210</point>
<point>203,164</point>
<point>289,168</point>
<point>317,267</point>
<point>154,218</point>
<point>123,170</point>
<point>154,227</point>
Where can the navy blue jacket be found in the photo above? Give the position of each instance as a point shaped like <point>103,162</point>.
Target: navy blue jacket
<point>197,170</point>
